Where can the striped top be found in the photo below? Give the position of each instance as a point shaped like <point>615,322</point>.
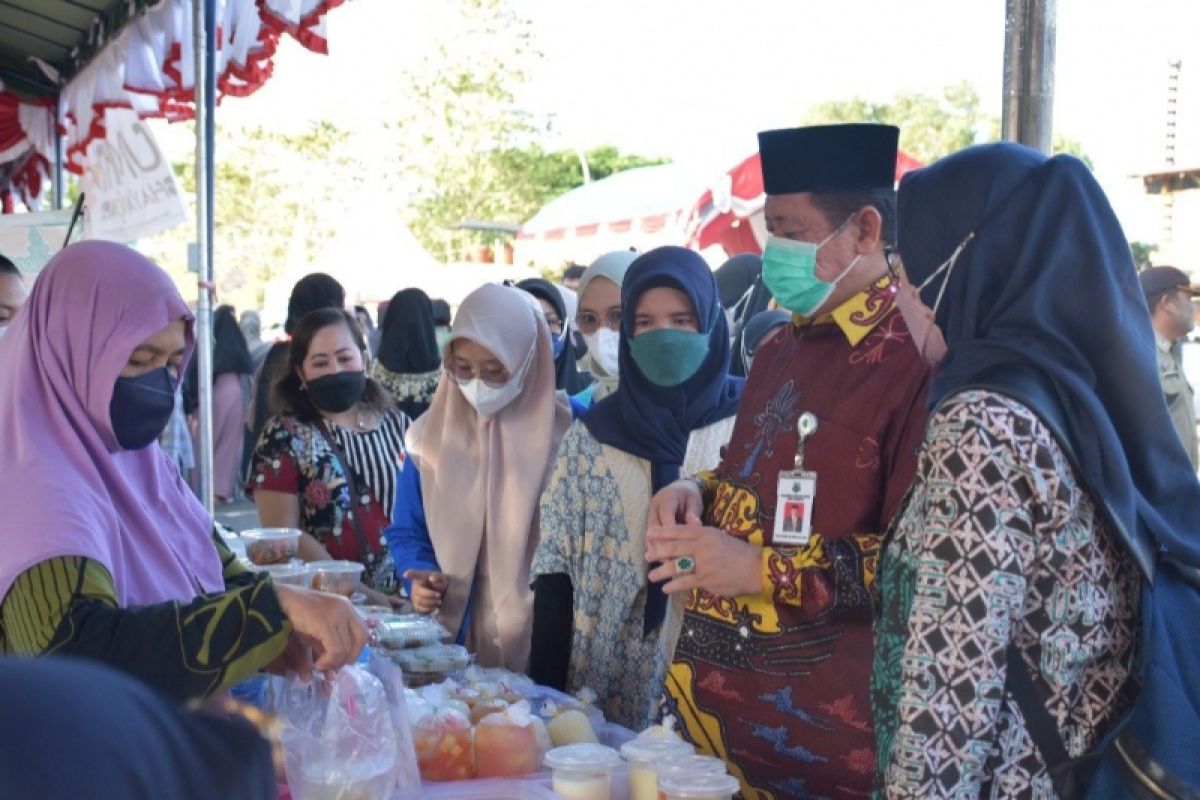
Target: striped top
<point>375,455</point>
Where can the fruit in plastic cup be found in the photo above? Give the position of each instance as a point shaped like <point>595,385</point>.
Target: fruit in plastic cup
<point>505,750</point>
<point>266,546</point>
<point>698,787</point>
<point>643,753</point>
<point>294,573</point>
<point>583,771</point>
<point>336,577</point>
<point>445,750</point>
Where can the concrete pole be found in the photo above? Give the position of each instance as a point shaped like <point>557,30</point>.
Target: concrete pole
<point>1029,37</point>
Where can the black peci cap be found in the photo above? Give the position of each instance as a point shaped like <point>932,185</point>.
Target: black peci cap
<point>829,158</point>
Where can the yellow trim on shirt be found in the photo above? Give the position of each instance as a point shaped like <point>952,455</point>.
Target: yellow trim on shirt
<point>843,316</point>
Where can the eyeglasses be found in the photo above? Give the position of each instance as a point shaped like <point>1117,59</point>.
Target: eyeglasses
<point>492,376</point>
<point>590,323</point>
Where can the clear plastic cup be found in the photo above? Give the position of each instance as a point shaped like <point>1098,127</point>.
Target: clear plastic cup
<point>266,546</point>
<point>676,766</point>
<point>698,787</point>
<point>336,577</point>
<point>583,771</point>
<point>294,573</point>
<point>643,753</point>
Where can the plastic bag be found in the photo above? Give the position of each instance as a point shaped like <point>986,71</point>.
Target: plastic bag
<point>339,738</point>
<point>444,743</point>
<point>510,743</point>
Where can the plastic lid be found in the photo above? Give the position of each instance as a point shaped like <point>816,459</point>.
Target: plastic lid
<point>646,749</point>
<point>582,757</point>
<point>690,764</point>
<point>270,533</point>
<point>283,570</point>
<point>335,566</point>
<point>699,786</point>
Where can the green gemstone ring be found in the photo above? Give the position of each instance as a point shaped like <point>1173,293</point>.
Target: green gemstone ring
<point>685,565</point>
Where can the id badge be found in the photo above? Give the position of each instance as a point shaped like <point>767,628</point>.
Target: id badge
<point>794,507</point>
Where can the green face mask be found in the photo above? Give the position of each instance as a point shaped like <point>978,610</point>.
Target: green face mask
<point>790,273</point>
<point>669,356</point>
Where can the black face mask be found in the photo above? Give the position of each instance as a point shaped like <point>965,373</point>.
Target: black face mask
<point>337,392</point>
<point>141,408</point>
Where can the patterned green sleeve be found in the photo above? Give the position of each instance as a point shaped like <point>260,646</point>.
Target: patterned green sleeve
<point>233,571</point>
<point>68,606</point>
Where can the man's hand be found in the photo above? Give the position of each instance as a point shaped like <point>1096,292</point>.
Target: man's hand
<point>723,564</point>
<point>673,504</point>
<point>428,589</point>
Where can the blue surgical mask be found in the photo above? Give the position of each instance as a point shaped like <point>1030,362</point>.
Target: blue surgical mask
<point>669,356</point>
<point>141,407</point>
<point>790,272</point>
<point>559,344</point>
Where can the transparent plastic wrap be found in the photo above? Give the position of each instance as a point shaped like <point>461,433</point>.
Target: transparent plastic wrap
<point>344,739</point>
<point>445,745</point>
<point>510,743</point>
<point>405,631</point>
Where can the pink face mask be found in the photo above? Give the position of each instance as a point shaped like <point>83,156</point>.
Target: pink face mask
<point>919,318</point>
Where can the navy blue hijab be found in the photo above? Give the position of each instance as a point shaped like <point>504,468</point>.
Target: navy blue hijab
<point>654,422</point>
<point>1044,306</point>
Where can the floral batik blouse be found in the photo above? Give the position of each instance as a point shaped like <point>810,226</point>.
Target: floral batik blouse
<point>292,457</point>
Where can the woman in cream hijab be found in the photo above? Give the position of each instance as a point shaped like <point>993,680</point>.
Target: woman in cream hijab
<point>465,523</point>
<point>598,318</point>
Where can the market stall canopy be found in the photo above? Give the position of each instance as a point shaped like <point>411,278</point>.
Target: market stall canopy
<point>730,212</point>
<point>138,54</point>
<point>644,207</point>
<point>1170,180</point>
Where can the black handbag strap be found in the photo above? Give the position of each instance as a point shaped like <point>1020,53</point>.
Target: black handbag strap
<point>365,552</point>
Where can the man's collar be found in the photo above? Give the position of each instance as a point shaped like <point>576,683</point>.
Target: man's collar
<point>860,314</point>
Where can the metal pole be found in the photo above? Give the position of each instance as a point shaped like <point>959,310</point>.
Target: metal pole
<point>204,267</point>
<point>59,197</point>
<point>1029,43</point>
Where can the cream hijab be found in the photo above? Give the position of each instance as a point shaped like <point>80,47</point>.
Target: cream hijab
<point>481,478</point>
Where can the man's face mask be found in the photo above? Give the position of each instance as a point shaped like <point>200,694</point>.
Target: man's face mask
<point>790,272</point>
<point>920,319</point>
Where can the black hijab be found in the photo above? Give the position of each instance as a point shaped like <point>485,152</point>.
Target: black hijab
<point>736,276</point>
<point>230,353</point>
<point>407,341</point>
<point>566,375</point>
<point>313,292</point>
<point>1044,306</point>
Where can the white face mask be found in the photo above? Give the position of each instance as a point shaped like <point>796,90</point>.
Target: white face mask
<point>489,400</point>
<point>603,346</point>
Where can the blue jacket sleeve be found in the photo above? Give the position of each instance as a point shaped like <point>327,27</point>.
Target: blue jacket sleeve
<point>408,535</point>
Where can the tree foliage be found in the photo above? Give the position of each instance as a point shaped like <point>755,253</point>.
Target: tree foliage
<point>931,125</point>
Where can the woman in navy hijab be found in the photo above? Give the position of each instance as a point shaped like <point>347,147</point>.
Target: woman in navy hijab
<point>1049,480</point>
<point>670,415</point>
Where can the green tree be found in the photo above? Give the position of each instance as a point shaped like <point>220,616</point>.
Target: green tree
<point>931,125</point>
<point>1143,252</point>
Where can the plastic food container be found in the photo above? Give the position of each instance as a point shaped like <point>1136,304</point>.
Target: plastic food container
<point>271,545</point>
<point>643,754</point>
<point>479,790</point>
<point>445,748</point>
<point>374,612</point>
<point>293,574</point>
<point>335,577</point>
<point>361,784</point>
<point>699,787</point>
<point>403,631</point>
<point>583,771</point>
<point>434,658</point>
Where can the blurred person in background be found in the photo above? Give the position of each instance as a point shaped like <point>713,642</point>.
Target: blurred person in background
<point>441,322</point>
<point>231,369</point>
<point>1170,297</point>
<point>251,325</point>
<point>327,463</point>
<point>12,292</point>
<point>466,519</point>
<point>367,326</point>
<point>310,293</point>
<point>408,363</point>
<point>554,307</point>
<point>597,620</point>
<point>599,320</point>
<point>757,331</point>
<point>572,275</point>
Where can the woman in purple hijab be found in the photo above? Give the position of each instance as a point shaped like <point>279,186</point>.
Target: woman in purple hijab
<point>104,551</point>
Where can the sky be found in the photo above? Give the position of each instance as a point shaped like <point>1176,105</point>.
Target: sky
<point>695,80</point>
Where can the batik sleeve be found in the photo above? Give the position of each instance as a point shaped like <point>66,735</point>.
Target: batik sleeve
<point>68,606</point>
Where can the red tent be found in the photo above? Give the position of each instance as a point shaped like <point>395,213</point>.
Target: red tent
<point>730,214</point>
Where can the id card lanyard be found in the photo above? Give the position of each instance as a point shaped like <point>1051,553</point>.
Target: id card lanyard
<point>796,492</point>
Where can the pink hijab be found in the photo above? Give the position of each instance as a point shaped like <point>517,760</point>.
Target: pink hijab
<point>481,478</point>
<point>68,487</point>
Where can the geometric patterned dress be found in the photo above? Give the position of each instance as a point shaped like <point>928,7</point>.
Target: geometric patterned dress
<point>997,543</point>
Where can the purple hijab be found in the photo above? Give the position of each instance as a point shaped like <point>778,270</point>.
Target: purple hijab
<point>68,489</point>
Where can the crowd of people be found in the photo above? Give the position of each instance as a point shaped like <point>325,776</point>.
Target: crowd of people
<point>823,507</point>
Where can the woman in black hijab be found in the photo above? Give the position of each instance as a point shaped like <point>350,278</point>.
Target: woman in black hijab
<point>408,363</point>
<point>566,375</point>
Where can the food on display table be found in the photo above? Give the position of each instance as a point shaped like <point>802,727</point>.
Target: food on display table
<point>403,631</point>
<point>583,771</point>
<point>571,727</point>
<point>698,787</point>
<point>674,766</point>
<point>294,573</point>
<point>429,663</point>
<point>507,744</point>
<point>336,577</point>
<point>444,744</point>
<point>367,787</point>
<point>265,546</point>
<point>643,753</point>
